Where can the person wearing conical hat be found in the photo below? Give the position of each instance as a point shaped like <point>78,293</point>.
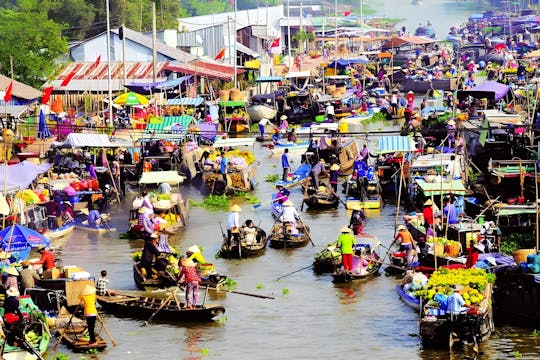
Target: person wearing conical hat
<point>233,224</point>
<point>12,310</point>
<point>149,251</point>
<point>427,212</point>
<point>333,176</point>
<point>317,169</point>
<point>451,130</point>
<point>11,280</point>
<point>191,280</point>
<point>347,244</point>
<point>88,301</point>
<point>283,193</point>
<point>194,253</point>
<point>290,215</point>
<point>406,242</point>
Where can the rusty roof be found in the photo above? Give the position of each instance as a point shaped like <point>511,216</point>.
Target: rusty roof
<point>19,90</point>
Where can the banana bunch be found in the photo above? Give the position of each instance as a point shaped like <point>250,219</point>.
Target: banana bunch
<point>237,181</point>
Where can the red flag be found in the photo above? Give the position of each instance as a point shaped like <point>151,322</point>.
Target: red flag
<point>46,95</point>
<point>9,90</point>
<point>275,43</point>
<point>220,54</point>
<point>347,13</point>
<point>68,78</point>
<point>97,61</point>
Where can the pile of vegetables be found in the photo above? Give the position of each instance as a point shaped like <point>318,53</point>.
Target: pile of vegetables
<point>472,281</point>
<point>246,155</point>
<point>212,202</point>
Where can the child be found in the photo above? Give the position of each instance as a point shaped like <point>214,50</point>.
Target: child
<point>102,285</point>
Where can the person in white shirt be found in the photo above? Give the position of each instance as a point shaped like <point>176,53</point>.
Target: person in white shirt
<point>330,112</point>
<point>233,224</point>
<point>290,215</point>
<point>164,188</point>
<point>262,123</point>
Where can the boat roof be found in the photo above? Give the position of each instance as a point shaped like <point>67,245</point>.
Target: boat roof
<point>233,142</point>
<point>390,144</point>
<point>441,187</point>
<point>158,177</point>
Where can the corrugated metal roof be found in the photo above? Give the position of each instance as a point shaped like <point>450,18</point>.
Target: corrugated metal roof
<point>186,101</point>
<point>197,70</point>
<point>243,48</point>
<point>19,90</point>
<point>217,66</point>
<point>12,110</point>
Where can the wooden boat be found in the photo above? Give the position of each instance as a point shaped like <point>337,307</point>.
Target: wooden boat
<point>244,250</point>
<point>73,332</point>
<point>61,231</point>
<point>280,235</point>
<point>277,147</point>
<point>439,329</point>
<point>359,273</point>
<point>144,307</point>
<point>423,86</point>
<point>99,229</point>
<point>258,111</point>
<point>323,198</point>
<point>299,176</point>
<point>362,189</point>
<point>165,279</point>
<point>328,259</point>
<point>33,334</point>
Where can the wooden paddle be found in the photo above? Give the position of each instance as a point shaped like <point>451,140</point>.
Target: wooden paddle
<point>294,272</point>
<point>106,329</point>
<point>306,230</point>
<point>163,303</point>
<point>241,293</point>
<point>256,206</point>
<point>63,333</point>
<point>341,201</point>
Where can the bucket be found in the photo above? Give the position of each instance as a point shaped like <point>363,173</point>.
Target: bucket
<point>520,255</point>
<point>438,249</point>
<point>224,95</point>
<point>319,118</point>
<point>452,249</point>
<point>343,128</point>
<point>480,220</point>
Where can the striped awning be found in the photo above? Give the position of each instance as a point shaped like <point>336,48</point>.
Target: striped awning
<point>169,124</point>
<point>186,101</point>
<point>390,144</point>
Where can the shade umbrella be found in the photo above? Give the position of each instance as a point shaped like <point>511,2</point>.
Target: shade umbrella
<point>43,128</point>
<point>19,240</point>
<point>131,98</point>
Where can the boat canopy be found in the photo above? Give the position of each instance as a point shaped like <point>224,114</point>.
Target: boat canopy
<point>152,87</point>
<point>158,177</point>
<point>78,140</point>
<point>20,176</point>
<point>186,101</point>
<point>390,144</point>
<point>269,79</point>
<point>234,142</point>
<point>454,187</point>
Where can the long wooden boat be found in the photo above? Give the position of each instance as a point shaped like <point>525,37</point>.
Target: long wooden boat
<point>99,229</point>
<point>144,307</point>
<point>299,176</point>
<point>362,189</point>
<point>328,260</point>
<point>34,335</point>
<point>372,269</point>
<point>324,199</point>
<point>61,231</point>
<point>423,86</point>
<point>280,235</point>
<point>243,250</point>
<point>258,111</point>
<point>164,280</point>
<point>443,330</point>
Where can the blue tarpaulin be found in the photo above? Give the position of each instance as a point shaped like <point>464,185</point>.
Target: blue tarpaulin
<point>149,88</point>
<point>348,62</point>
<point>186,101</point>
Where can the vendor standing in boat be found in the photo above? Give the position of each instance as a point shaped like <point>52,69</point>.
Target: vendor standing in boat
<point>149,251</point>
<point>317,169</point>
<point>285,164</point>
<point>347,244</point>
<point>46,260</point>
<point>88,301</point>
<point>406,243</point>
<point>191,280</point>
<point>290,215</point>
<point>233,224</point>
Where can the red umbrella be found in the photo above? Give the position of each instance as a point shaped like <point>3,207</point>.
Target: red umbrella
<point>499,47</point>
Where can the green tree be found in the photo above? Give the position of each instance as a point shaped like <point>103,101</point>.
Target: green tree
<point>78,15</point>
<point>32,40</point>
<point>303,36</point>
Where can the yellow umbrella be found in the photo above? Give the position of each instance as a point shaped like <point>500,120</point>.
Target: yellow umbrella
<point>131,98</point>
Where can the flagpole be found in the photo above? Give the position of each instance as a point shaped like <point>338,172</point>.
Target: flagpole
<point>109,82</point>
<point>289,32</point>
<point>235,49</point>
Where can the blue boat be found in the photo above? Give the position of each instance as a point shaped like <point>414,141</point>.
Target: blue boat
<point>277,208</point>
<point>407,298</point>
<point>301,174</point>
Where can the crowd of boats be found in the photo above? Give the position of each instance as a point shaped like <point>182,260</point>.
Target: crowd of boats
<point>463,165</point>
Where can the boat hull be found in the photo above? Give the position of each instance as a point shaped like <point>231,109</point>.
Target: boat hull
<point>245,251</point>
<point>257,111</point>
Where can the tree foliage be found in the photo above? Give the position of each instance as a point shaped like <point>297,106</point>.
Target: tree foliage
<point>32,40</point>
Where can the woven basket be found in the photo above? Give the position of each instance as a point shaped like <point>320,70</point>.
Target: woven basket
<point>521,255</point>
<point>438,249</point>
<point>452,249</point>
<point>224,95</point>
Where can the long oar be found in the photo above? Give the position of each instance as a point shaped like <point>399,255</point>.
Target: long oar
<point>106,329</point>
<point>163,303</point>
<point>256,206</point>
<point>294,272</point>
<point>241,293</point>
<point>306,230</point>
<point>63,333</point>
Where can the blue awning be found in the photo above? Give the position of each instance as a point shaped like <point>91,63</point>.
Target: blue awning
<point>348,62</point>
<point>186,101</point>
<point>390,144</point>
<point>269,79</point>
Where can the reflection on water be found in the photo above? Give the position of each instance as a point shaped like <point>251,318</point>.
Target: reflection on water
<point>310,318</point>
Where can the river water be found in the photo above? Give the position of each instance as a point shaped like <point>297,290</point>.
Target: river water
<point>310,318</point>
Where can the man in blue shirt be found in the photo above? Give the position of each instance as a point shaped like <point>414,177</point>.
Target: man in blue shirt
<point>456,304</point>
<point>449,212</point>
<point>285,165</point>
<point>223,166</point>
